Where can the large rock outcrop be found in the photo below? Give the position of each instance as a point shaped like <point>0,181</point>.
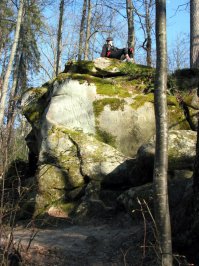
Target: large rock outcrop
<point>181,154</point>
<point>87,125</point>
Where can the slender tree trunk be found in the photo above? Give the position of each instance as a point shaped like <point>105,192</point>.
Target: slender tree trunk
<point>81,33</point>
<point>196,175</point>
<point>59,36</point>
<point>130,18</point>
<point>148,32</point>
<point>9,68</point>
<point>194,33</point>
<point>23,72</point>
<point>93,47</point>
<point>3,74</point>
<point>161,153</point>
<point>196,169</point>
<point>1,84</point>
<point>88,30</point>
<point>12,102</point>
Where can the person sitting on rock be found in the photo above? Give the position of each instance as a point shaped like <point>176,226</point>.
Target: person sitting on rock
<point>111,51</point>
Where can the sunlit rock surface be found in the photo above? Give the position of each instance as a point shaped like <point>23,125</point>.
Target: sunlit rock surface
<point>88,125</point>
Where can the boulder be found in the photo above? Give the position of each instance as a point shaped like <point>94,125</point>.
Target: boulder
<point>70,161</point>
<point>181,154</point>
<point>87,126</point>
<point>141,198</point>
<point>116,109</point>
<point>139,203</point>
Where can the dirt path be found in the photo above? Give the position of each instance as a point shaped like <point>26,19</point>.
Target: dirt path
<point>82,245</point>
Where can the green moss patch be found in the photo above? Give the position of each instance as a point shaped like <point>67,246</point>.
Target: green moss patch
<point>104,86</point>
<point>131,77</point>
<point>98,106</point>
<point>142,77</point>
<point>59,130</point>
<point>105,137</point>
<point>113,103</point>
<point>84,67</point>
<point>62,77</point>
<point>176,118</point>
<point>82,138</point>
<point>171,100</point>
<point>38,92</point>
<point>140,100</point>
<point>36,104</point>
<point>136,71</point>
<point>67,207</point>
<point>81,67</point>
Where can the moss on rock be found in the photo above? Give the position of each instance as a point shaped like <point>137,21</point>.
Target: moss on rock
<point>98,106</point>
<point>68,207</point>
<point>105,137</point>
<point>130,77</point>
<point>140,100</point>
<point>63,154</point>
<point>35,104</point>
<point>51,177</point>
<point>53,183</point>
<point>136,70</point>
<point>104,86</point>
<point>62,77</point>
<point>176,118</point>
<point>113,103</point>
<point>81,67</point>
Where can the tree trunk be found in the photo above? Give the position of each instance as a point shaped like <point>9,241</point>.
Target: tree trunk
<point>3,66</point>
<point>81,33</point>
<point>9,68</point>
<point>196,168</point>
<point>148,32</point>
<point>93,47</point>
<point>59,36</point>
<point>12,102</point>
<point>23,72</point>
<point>88,30</point>
<point>130,18</point>
<point>196,175</point>
<point>161,207</point>
<point>194,33</point>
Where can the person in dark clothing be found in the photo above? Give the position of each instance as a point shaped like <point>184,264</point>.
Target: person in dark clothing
<point>111,51</point>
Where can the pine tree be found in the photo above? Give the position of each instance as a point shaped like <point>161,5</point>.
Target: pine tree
<point>6,22</point>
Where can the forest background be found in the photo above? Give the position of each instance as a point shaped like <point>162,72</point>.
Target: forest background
<point>37,38</point>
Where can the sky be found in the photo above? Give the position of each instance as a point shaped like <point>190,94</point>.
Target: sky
<point>177,19</point>
<point>177,25</point>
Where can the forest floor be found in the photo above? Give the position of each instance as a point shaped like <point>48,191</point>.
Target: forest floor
<point>106,242</point>
<point>113,240</point>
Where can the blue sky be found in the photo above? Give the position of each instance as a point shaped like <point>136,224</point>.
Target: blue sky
<point>177,25</point>
<point>177,19</point>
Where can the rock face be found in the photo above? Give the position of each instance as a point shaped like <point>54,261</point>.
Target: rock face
<point>70,160</point>
<point>137,198</point>
<point>181,154</point>
<point>87,125</point>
